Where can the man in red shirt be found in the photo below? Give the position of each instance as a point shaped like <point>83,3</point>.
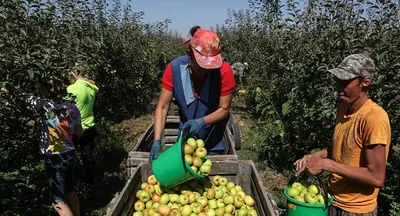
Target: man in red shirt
<point>202,84</point>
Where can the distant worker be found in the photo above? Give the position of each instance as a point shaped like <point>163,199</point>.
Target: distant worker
<point>238,70</point>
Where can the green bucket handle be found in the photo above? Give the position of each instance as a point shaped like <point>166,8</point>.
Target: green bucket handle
<point>318,177</point>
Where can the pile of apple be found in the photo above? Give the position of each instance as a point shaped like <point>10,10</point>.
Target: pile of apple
<point>311,194</point>
<point>218,197</point>
<point>195,156</point>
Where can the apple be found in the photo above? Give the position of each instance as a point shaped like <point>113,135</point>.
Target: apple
<point>241,212</point>
<point>163,210</point>
<point>149,204</point>
<point>191,197</point>
<point>197,207</point>
<point>144,196</point>
<point>192,142</point>
<point>155,205</point>
<point>197,162</point>
<point>194,168</point>
<point>224,189</point>
<point>186,210</point>
<point>212,204</point>
<point>189,159</point>
<point>138,193</point>
<point>238,202</point>
<point>202,214</point>
<point>158,189</point>
<point>202,200</point>
<point>139,206</point>
<point>210,194</point>
<point>200,143</point>
<point>175,198</point>
<point>208,162</point>
<point>298,185</point>
<point>228,214</point>
<point>218,193</point>
<point>241,194</point>
<point>149,188</point>
<point>210,212</point>
<point>175,212</point>
<point>222,181</point>
<point>145,212</point>
<point>156,214</point>
<point>137,214</point>
<point>248,200</point>
<point>228,199</point>
<point>155,197</point>
<point>239,188</point>
<point>310,198</point>
<point>201,152</point>
<point>205,169</point>
<point>313,189</point>
<point>229,208</point>
<point>183,199</point>
<point>220,211</point>
<point>193,214</point>
<point>230,185</point>
<point>175,206</point>
<point>151,211</point>
<point>303,192</point>
<point>252,212</point>
<point>152,180</point>
<point>164,199</point>
<point>188,149</point>
<point>143,185</point>
<point>220,203</point>
<point>320,198</point>
<point>215,180</point>
<point>294,191</point>
<point>233,191</point>
<point>299,198</point>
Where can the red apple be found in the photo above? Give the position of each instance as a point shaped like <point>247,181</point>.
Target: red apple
<point>156,197</point>
<point>175,212</point>
<point>163,210</point>
<point>152,180</point>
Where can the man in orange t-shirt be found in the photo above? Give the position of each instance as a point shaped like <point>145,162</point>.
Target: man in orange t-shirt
<point>360,145</point>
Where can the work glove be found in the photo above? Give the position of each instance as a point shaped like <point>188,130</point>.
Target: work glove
<point>195,125</point>
<point>155,150</point>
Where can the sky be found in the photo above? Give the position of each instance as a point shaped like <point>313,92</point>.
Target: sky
<point>185,14</point>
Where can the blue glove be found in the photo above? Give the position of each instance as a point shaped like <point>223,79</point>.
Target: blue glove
<point>155,150</point>
<point>195,125</point>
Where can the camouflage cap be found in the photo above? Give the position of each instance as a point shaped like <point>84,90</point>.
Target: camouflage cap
<point>355,65</point>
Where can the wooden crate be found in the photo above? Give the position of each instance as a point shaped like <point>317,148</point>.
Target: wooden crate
<point>142,149</point>
<point>242,172</point>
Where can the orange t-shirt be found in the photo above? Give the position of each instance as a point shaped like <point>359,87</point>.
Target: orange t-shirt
<point>368,126</point>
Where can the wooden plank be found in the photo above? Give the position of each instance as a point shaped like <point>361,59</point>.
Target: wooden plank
<point>173,120</point>
<point>223,157</point>
<point>243,177</point>
<point>123,198</point>
<point>149,132</point>
<point>170,139</point>
<point>266,202</point>
<point>170,131</point>
<point>224,168</point>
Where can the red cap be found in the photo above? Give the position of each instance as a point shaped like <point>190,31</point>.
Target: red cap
<point>207,47</point>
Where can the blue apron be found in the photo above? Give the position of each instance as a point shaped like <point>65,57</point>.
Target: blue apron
<point>206,103</point>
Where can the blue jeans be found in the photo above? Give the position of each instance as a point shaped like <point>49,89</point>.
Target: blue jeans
<point>60,170</point>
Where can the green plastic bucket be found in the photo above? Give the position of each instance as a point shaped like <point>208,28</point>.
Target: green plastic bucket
<point>170,168</point>
<point>298,208</point>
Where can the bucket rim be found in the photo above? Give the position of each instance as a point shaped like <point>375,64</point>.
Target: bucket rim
<point>319,205</point>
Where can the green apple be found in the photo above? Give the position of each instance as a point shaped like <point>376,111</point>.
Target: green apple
<point>299,198</point>
<point>188,149</point>
<point>174,198</point>
<point>139,206</point>
<point>241,194</point>
<point>143,185</point>
<point>192,142</point>
<point>137,214</point>
<point>210,212</point>
<point>220,211</point>
<point>297,185</point>
<point>201,152</point>
<point>197,207</point>
<point>239,188</point>
<point>149,204</point>
<point>241,212</point>
<point>220,203</point>
<point>222,181</point>
<point>218,193</point>
<point>229,208</point>
<point>151,211</point>
<point>313,189</point>
<point>238,202</point>
<point>174,212</point>
<point>200,143</point>
<point>303,192</point>
<point>230,185</point>
<point>248,200</point>
<point>293,191</point>
<point>155,205</point>
<point>152,180</point>
<point>233,192</point>
<point>215,180</point>
<point>228,200</point>
<point>310,198</point>
<point>164,199</point>
<point>208,162</point>
<point>144,196</point>
<point>210,193</point>
<point>149,188</point>
<point>189,159</point>
<point>197,161</point>
<point>212,204</point>
<point>202,200</point>
<point>183,199</point>
<point>186,210</point>
<point>205,169</point>
<point>320,198</point>
<point>252,212</point>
